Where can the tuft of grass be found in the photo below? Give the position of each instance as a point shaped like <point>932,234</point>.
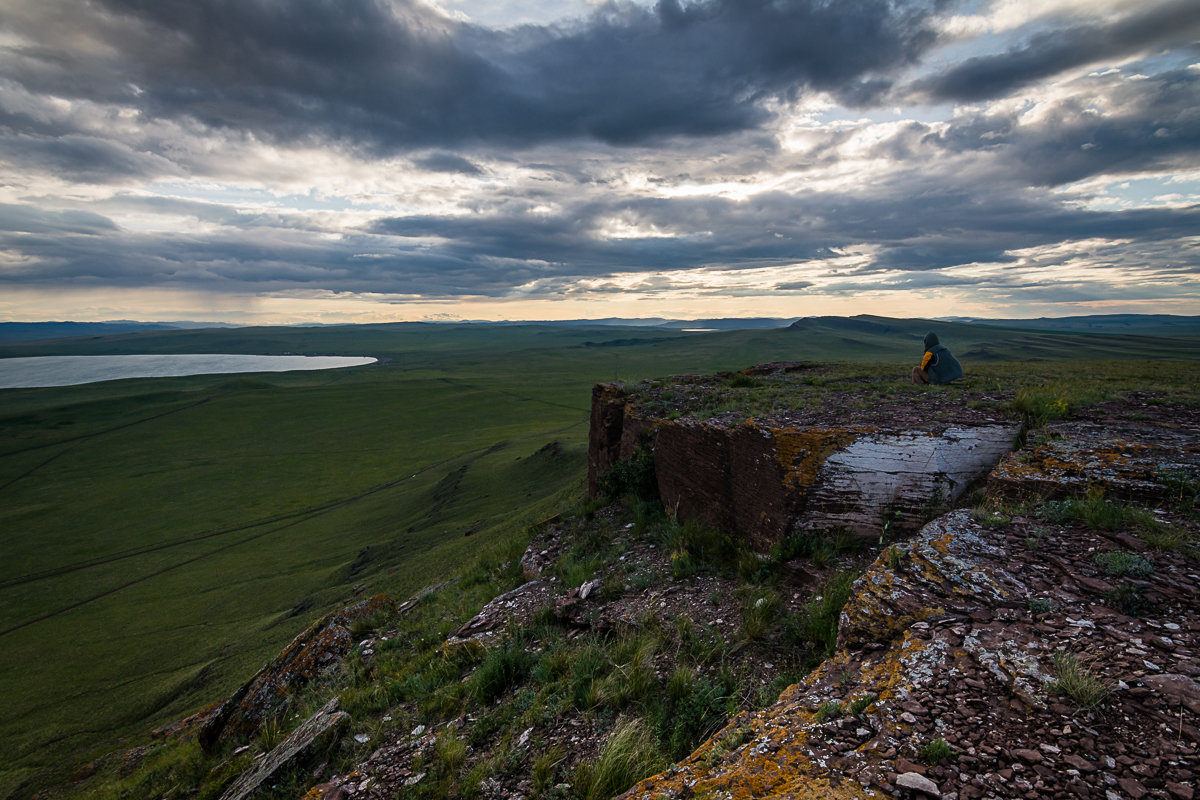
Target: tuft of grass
<point>1167,539</point>
<point>629,755</point>
<point>860,705</point>
<point>545,766</point>
<point>759,612</point>
<point>502,668</point>
<point>451,752</point>
<point>1075,679</point>
<point>697,547</point>
<point>1039,406</point>
<point>1096,512</point>
<point>817,623</point>
<point>935,751</point>
<point>1183,489</point>
<point>830,710</point>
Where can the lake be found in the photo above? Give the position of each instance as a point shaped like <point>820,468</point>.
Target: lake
<point>25,373</point>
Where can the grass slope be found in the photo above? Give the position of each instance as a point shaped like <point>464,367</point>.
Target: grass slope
<point>164,537</point>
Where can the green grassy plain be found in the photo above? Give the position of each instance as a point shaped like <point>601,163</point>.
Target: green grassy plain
<point>165,537</point>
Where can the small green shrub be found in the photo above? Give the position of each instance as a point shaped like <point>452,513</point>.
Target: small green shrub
<point>502,668</point>
<point>935,751</point>
<point>741,380</point>
<point>830,710</point>
<point>633,477</point>
<point>1040,605</point>
<point>1128,598</point>
<point>861,704</point>
<point>894,558</point>
<point>1120,564</point>
<point>1075,679</point>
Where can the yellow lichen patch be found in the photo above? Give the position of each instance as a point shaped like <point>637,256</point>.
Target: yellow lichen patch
<point>892,671</point>
<point>801,452</point>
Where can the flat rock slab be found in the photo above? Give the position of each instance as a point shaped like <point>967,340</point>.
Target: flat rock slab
<point>316,731</point>
<point>1132,463</point>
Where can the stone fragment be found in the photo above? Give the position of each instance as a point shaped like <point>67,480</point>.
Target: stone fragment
<point>1180,790</point>
<point>1132,787</point>
<point>313,733</point>
<point>1029,756</point>
<point>1176,690</point>
<point>918,783</point>
<point>1079,762</point>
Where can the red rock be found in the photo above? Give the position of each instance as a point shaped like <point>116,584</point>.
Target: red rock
<point>1133,788</point>
<point>1180,790</point>
<point>1079,762</point>
<point>1029,756</point>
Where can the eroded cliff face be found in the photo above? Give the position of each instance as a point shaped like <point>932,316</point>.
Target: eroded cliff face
<point>764,478</point>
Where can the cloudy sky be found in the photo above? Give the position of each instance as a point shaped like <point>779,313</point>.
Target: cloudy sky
<point>367,160</point>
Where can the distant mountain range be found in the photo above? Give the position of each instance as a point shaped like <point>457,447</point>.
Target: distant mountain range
<point>35,331</point>
<point>1143,324</point>
<point>1149,324</point>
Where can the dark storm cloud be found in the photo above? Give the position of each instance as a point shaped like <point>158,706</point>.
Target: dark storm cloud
<point>1049,53</point>
<point>31,220</point>
<point>86,159</point>
<point>392,76</point>
<point>492,254</point>
<point>448,162</point>
<point>943,229</point>
<point>1111,124</point>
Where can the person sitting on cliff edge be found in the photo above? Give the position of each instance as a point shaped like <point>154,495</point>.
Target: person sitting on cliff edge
<point>938,366</point>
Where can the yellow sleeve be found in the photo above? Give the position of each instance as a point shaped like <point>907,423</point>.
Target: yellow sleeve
<point>925,361</point>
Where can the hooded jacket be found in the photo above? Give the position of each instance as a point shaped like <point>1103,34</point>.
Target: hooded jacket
<point>941,366</point>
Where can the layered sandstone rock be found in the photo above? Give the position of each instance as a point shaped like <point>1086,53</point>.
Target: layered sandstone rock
<point>763,479</point>
<point>1128,462</point>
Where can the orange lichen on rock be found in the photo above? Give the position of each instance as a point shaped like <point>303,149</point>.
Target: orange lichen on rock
<point>800,452</point>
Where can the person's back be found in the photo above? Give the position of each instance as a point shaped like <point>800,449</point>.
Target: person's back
<point>938,365</point>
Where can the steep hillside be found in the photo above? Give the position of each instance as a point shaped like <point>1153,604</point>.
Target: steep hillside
<point>627,637</point>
